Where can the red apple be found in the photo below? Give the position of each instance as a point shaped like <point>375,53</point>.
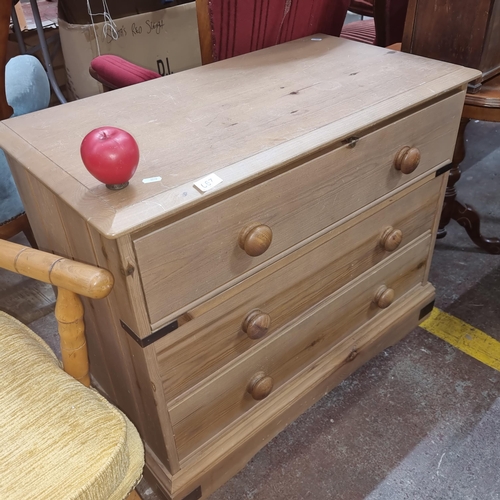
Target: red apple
<point>111,155</point>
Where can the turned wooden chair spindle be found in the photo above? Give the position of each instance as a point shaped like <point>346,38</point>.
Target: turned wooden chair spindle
<point>98,453</point>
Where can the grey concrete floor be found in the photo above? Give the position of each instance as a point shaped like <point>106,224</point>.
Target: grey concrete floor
<point>420,421</point>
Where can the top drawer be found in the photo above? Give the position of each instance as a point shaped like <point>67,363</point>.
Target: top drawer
<point>194,256</point>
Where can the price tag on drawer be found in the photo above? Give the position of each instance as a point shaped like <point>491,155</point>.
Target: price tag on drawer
<point>207,183</point>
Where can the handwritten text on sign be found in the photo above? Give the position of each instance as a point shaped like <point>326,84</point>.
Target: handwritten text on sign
<point>137,29</point>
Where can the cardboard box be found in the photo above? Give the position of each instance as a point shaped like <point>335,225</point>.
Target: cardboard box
<point>165,41</point>
<point>76,11</point>
<point>20,16</point>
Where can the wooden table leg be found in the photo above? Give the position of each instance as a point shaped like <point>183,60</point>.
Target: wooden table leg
<point>464,214</point>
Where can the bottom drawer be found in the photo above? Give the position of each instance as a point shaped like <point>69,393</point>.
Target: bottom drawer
<point>210,406</point>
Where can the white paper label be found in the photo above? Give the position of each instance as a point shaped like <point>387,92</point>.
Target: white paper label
<point>207,182</point>
<point>151,179</point>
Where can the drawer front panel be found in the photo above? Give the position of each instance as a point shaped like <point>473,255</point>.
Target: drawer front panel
<point>206,410</point>
<point>193,257</point>
<point>288,288</point>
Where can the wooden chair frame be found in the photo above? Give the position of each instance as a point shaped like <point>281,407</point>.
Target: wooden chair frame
<point>204,31</point>
<point>72,279</point>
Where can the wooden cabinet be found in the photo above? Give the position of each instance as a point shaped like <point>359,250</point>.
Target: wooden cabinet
<point>457,31</point>
<point>236,308</point>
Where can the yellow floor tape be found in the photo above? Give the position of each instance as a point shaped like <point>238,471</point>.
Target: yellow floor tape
<point>465,337</point>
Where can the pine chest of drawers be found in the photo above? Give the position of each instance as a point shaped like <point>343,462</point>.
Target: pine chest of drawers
<point>241,300</point>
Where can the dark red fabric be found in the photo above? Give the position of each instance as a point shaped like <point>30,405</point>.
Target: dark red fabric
<point>388,25</point>
<point>119,72</point>
<point>362,7</point>
<point>241,26</point>
<point>360,31</point>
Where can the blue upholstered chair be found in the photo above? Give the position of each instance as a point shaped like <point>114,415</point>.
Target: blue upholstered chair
<point>27,90</point>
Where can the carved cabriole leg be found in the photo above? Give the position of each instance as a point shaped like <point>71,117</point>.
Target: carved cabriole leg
<point>455,173</point>
<point>464,214</point>
<point>69,315</point>
<point>469,219</point>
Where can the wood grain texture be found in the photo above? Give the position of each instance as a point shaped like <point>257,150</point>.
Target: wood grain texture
<point>204,31</point>
<point>133,496</point>
<point>487,97</point>
<point>16,226</point>
<point>288,288</point>
<point>77,277</point>
<point>443,181</point>
<point>460,32</point>
<point>71,328</point>
<point>49,229</point>
<point>194,262</point>
<point>391,239</point>
<point>266,109</point>
<point>42,206</point>
<point>134,368</point>
<point>71,278</point>
<point>305,150</point>
<point>208,408</point>
<point>225,456</point>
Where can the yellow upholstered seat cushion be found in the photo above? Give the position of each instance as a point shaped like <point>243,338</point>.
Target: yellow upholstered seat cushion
<point>58,439</point>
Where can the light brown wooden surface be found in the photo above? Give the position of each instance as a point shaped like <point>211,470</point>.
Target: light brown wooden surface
<point>309,257</point>
<point>205,410</point>
<point>288,288</point>
<point>133,496</point>
<point>16,226</point>
<point>71,278</point>
<point>461,32</point>
<point>194,262</point>
<point>266,109</point>
<point>391,239</point>
<point>75,276</point>
<point>204,31</point>
<point>225,456</point>
<point>129,365</point>
<point>485,104</point>
<point>69,315</point>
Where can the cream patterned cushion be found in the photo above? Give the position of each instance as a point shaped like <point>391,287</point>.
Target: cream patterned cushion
<point>58,439</point>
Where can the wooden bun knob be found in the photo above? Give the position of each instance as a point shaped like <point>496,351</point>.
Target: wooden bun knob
<point>384,297</point>
<point>407,160</point>
<point>256,324</point>
<point>391,239</point>
<point>255,239</point>
<point>260,386</point>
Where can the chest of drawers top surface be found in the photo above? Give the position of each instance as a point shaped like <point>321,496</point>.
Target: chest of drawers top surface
<point>242,118</point>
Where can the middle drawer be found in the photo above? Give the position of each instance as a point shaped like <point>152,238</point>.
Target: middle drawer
<point>228,325</point>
